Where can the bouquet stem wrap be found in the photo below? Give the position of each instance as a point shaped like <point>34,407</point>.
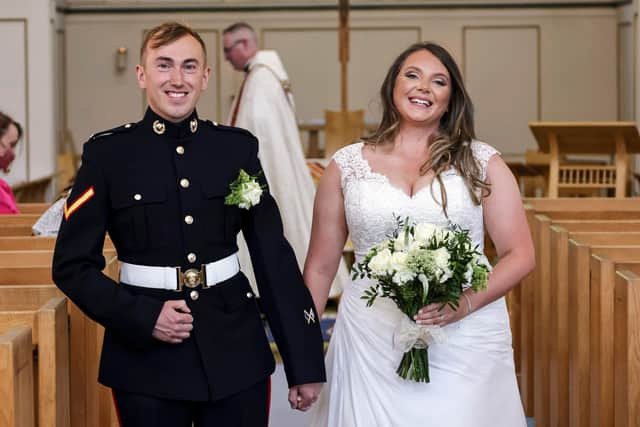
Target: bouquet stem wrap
<point>414,341</point>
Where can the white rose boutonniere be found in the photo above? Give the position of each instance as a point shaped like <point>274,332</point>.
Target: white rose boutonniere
<point>246,191</point>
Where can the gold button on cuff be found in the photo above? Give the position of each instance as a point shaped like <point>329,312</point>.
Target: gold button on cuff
<point>127,126</point>
<point>194,295</point>
<point>184,183</point>
<point>249,295</point>
<point>188,219</point>
<point>192,257</point>
<point>180,149</point>
<point>137,196</point>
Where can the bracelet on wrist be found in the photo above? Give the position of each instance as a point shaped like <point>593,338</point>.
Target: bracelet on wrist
<point>468,298</point>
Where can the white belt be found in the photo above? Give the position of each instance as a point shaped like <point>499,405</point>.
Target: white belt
<point>173,278</point>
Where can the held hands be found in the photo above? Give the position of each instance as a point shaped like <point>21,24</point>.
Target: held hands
<point>301,397</point>
<point>174,322</point>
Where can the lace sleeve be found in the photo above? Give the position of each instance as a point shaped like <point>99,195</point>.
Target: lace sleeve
<point>483,152</point>
<point>347,159</point>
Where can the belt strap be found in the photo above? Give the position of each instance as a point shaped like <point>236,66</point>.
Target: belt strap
<point>173,278</point>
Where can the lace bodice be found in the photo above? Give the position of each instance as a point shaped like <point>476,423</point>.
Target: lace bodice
<point>371,202</point>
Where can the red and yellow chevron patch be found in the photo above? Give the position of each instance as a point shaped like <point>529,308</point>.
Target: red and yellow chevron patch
<point>84,198</point>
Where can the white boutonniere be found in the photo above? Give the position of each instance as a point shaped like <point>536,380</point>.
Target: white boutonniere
<point>246,191</point>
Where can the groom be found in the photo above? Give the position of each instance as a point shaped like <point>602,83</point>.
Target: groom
<point>184,342</point>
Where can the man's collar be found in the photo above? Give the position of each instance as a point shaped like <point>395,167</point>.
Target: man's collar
<point>161,126</point>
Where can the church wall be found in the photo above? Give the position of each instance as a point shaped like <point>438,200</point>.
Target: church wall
<point>26,83</point>
<point>520,64</point>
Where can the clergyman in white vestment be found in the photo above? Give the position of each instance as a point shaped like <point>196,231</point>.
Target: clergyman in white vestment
<point>264,105</point>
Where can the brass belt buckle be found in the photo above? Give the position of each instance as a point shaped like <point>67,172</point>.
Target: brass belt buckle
<point>191,278</point>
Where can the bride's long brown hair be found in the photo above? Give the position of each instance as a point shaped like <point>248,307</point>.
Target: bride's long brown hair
<point>450,146</point>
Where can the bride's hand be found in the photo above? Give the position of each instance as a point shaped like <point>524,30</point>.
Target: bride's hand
<point>437,314</point>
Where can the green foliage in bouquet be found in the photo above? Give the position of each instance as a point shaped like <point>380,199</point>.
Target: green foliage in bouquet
<point>418,265</point>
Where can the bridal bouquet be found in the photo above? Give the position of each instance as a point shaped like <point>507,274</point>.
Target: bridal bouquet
<point>421,264</point>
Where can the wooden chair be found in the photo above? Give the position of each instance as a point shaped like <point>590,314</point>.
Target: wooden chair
<point>342,128</point>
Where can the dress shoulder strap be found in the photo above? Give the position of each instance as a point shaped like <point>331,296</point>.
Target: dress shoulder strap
<point>350,162</point>
<point>482,153</point>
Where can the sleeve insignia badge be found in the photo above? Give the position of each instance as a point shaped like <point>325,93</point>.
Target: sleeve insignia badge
<point>310,316</point>
<point>84,198</point>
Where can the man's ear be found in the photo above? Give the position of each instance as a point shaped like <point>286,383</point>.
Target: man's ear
<point>205,77</point>
<point>141,77</point>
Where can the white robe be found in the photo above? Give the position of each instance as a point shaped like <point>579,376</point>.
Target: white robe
<point>267,110</point>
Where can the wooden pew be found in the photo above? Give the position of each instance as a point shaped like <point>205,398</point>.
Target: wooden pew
<point>26,243</point>
<point>562,208</point>
<point>23,297</point>
<point>91,403</point>
<point>550,349</point>
<point>50,336</point>
<point>28,258</point>
<point>17,225</point>
<point>627,349</point>
<point>558,323</point>
<point>30,243</point>
<point>33,208</point>
<point>579,323</point>
<point>16,378</point>
<point>527,291</point>
<point>602,368</point>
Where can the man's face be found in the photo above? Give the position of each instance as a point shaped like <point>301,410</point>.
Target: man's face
<point>174,76</point>
<point>234,46</point>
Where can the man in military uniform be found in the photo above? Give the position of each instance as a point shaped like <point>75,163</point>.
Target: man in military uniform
<point>183,341</point>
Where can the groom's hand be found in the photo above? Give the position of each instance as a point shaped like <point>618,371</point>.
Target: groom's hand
<point>302,396</point>
<point>174,323</point>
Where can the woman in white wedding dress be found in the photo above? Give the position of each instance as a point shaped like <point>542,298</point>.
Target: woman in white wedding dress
<point>423,162</point>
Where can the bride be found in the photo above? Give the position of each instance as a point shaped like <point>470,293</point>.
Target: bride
<point>423,162</point>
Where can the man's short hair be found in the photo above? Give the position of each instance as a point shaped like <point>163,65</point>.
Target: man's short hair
<point>167,33</point>
<point>238,26</point>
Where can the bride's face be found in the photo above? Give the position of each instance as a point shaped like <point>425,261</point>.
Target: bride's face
<point>422,90</point>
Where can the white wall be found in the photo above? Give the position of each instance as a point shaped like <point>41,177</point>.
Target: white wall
<point>521,65</point>
<point>27,83</point>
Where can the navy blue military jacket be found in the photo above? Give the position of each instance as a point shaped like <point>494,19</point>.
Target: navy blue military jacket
<point>139,183</point>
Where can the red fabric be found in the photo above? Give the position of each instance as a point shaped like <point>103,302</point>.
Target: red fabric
<point>7,200</point>
<point>116,406</point>
<point>234,116</point>
<point>268,398</point>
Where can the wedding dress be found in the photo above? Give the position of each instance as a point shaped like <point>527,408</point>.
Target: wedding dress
<point>473,382</point>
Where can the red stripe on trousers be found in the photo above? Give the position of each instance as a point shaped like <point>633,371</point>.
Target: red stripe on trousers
<point>115,404</point>
<point>268,399</point>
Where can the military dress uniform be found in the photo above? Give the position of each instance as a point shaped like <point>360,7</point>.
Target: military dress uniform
<point>158,189</point>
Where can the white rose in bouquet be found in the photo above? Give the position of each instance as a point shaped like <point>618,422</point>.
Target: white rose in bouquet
<point>380,264</point>
<point>402,272</point>
<point>441,259</point>
<point>424,231</point>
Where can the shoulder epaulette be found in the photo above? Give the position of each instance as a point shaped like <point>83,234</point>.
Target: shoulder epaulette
<point>117,130</point>
<point>218,126</point>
